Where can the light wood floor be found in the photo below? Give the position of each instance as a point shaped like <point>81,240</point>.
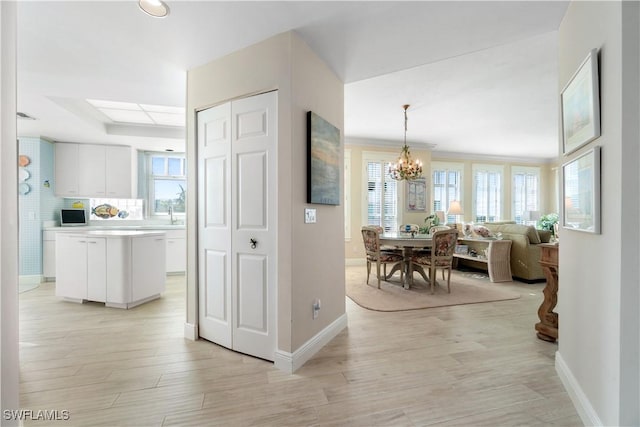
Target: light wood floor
<point>472,365</point>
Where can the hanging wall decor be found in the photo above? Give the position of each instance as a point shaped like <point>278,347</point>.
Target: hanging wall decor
<point>323,161</point>
<point>580,103</point>
<point>581,192</point>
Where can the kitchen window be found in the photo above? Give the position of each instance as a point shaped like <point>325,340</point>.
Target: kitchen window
<point>167,183</point>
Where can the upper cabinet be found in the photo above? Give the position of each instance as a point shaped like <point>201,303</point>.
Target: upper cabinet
<point>66,170</point>
<point>87,170</point>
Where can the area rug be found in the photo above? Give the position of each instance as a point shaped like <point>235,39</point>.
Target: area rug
<point>466,288</point>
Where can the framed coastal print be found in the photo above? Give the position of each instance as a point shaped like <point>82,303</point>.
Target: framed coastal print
<point>323,161</point>
<point>416,195</point>
<point>581,192</point>
<point>580,104</point>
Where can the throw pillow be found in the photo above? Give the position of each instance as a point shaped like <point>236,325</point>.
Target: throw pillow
<point>532,234</point>
<point>481,231</point>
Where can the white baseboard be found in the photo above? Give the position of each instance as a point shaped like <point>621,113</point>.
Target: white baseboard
<point>580,401</point>
<point>290,362</point>
<point>191,331</point>
<point>35,279</point>
<point>355,261</point>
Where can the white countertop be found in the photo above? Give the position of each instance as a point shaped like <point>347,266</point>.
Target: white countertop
<point>118,233</point>
<point>115,228</point>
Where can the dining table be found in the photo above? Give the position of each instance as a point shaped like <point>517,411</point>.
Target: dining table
<point>408,242</point>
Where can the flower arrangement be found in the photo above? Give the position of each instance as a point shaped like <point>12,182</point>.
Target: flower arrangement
<point>430,221</point>
<point>547,222</point>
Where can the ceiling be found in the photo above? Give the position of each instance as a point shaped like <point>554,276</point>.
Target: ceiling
<point>481,77</point>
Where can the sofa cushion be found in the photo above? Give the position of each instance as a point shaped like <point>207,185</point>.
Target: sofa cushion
<point>532,233</point>
<point>526,230</point>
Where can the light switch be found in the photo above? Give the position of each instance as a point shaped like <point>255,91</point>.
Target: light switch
<point>309,216</point>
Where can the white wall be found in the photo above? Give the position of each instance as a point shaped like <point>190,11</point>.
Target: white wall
<point>598,337</point>
<point>310,256</point>
<point>9,365</point>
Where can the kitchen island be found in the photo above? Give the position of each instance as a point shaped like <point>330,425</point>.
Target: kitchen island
<point>122,268</point>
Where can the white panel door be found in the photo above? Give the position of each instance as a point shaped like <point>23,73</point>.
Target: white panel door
<point>214,224</point>
<point>254,207</point>
<point>237,219</point>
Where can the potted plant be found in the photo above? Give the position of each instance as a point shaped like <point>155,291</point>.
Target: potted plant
<point>547,222</point>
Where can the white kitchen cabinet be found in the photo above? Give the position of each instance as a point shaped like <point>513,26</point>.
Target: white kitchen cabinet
<point>96,269</point>
<point>71,267</point>
<point>120,268</point>
<point>82,267</point>
<point>90,170</point>
<point>176,251</point>
<point>66,170</point>
<point>120,179</point>
<point>48,254</point>
<point>146,281</point>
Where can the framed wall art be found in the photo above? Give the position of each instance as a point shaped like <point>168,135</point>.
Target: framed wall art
<point>581,192</point>
<point>580,104</point>
<point>323,161</point>
<point>416,195</point>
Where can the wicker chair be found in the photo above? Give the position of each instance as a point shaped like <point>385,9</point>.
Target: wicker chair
<point>441,256</point>
<point>371,239</point>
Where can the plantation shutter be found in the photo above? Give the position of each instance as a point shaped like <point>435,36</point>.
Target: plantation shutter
<point>488,195</point>
<point>382,197</point>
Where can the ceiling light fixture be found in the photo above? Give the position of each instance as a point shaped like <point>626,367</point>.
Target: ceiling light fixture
<point>405,168</point>
<point>155,8</point>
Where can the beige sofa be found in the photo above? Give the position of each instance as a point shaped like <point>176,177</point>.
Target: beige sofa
<point>525,252</point>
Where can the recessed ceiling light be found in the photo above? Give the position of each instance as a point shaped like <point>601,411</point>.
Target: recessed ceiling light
<point>155,8</point>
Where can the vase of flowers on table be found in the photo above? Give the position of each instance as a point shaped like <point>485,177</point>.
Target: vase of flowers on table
<point>429,222</point>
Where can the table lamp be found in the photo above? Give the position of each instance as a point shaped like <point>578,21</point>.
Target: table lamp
<point>455,208</point>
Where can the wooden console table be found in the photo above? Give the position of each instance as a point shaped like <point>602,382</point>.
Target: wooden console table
<point>548,326</point>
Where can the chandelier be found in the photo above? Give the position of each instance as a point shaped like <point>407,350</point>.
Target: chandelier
<point>405,168</point>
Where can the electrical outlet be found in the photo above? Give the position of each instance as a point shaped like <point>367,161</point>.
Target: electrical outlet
<point>316,308</point>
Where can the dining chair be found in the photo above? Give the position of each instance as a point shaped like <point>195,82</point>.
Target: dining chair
<point>371,239</point>
<point>441,256</point>
<point>409,228</point>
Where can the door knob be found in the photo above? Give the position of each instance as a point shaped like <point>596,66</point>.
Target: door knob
<point>253,243</point>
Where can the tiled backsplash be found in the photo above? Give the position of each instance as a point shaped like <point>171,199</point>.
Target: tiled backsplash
<point>38,205</point>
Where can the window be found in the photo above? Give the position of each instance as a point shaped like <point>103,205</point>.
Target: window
<point>382,192</point>
<point>447,186</point>
<point>487,193</point>
<point>167,183</point>
<point>526,196</point>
